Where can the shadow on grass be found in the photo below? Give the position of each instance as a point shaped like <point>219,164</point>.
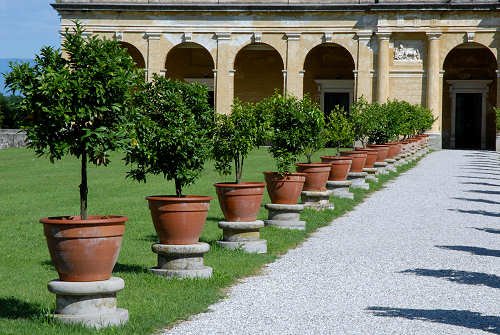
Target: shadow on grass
<point>473,250</point>
<point>129,268</point>
<point>488,230</point>
<point>460,277</point>
<point>13,308</point>
<point>485,201</point>
<point>477,212</point>
<point>454,317</point>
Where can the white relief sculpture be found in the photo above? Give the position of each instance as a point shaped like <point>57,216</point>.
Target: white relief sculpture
<point>408,51</point>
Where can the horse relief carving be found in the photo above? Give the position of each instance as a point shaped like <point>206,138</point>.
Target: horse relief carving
<point>408,51</point>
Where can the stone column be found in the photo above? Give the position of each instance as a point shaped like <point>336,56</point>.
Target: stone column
<point>433,80</point>
<point>224,74</point>
<point>364,84</point>
<point>383,67</point>
<point>294,66</point>
<point>154,61</point>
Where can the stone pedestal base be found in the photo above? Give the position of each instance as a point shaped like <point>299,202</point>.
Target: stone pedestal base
<point>390,165</point>
<point>381,168</point>
<point>316,200</point>
<point>181,261</point>
<point>402,160</point>
<point>285,216</point>
<point>243,235</point>
<point>340,188</point>
<point>371,174</point>
<point>358,180</point>
<point>92,304</point>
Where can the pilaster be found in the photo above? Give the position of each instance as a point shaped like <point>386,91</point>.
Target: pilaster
<point>363,75</point>
<point>383,66</point>
<point>433,80</point>
<point>224,74</point>
<point>154,61</point>
<point>294,69</point>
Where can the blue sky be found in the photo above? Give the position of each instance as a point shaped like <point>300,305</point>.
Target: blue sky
<point>26,26</point>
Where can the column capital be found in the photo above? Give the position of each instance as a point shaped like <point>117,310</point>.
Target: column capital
<point>152,36</point>
<point>383,35</point>
<point>292,36</point>
<point>221,36</point>
<point>364,35</point>
<point>433,35</point>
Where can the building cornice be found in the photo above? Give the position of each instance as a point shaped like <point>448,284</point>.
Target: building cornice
<point>275,7</point>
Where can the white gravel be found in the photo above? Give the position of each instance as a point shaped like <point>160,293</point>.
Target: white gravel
<point>421,256</point>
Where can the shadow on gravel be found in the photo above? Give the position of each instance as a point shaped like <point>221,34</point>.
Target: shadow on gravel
<point>480,169</point>
<point>484,192</point>
<point>482,178</point>
<point>478,212</point>
<point>488,230</point>
<point>13,308</point>
<point>454,317</point>
<point>479,200</point>
<point>460,277</point>
<point>473,250</point>
<point>482,184</point>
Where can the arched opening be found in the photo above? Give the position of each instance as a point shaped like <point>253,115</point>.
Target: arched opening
<point>191,62</point>
<point>329,76</point>
<point>469,93</point>
<point>135,54</point>
<point>258,72</point>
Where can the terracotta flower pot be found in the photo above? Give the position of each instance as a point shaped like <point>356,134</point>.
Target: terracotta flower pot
<point>84,250</point>
<point>358,159</point>
<point>392,150</point>
<point>316,175</point>
<point>284,189</point>
<point>371,156</point>
<point>179,220</point>
<point>340,167</point>
<point>382,151</point>
<point>240,202</point>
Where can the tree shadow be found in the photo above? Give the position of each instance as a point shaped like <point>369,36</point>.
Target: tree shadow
<point>478,212</point>
<point>473,177</point>
<point>483,184</point>
<point>480,172</point>
<point>13,308</point>
<point>484,192</point>
<point>130,268</point>
<point>473,250</point>
<point>486,165</point>
<point>476,169</point>
<point>461,277</point>
<point>454,317</point>
<point>485,201</point>
<point>149,238</point>
<point>489,230</point>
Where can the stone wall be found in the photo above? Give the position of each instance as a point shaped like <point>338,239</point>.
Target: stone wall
<point>12,138</point>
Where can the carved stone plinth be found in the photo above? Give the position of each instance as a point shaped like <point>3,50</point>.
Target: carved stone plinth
<point>243,235</point>
<point>381,168</point>
<point>285,216</point>
<point>358,180</point>
<point>371,174</point>
<point>181,261</point>
<point>390,165</point>
<point>92,304</point>
<point>340,188</point>
<point>316,200</point>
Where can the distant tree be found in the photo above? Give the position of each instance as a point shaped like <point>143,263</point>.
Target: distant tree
<point>9,105</point>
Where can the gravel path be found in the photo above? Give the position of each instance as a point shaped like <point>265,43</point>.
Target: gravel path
<point>421,256</point>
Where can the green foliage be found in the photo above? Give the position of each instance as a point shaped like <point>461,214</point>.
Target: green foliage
<point>237,134</point>
<point>8,111</point>
<point>497,113</point>
<point>173,134</point>
<point>78,104</point>
<point>339,128</point>
<point>296,127</point>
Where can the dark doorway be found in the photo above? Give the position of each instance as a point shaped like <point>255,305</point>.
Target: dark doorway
<point>468,120</point>
<point>331,99</point>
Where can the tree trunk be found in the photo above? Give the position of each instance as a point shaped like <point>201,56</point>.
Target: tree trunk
<point>83,188</point>
<point>178,188</point>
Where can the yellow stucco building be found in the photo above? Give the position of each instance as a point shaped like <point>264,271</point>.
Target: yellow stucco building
<point>440,54</point>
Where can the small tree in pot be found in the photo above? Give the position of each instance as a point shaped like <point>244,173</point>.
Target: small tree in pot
<point>173,137</point>
<point>339,132</point>
<point>79,105</point>
<point>235,136</point>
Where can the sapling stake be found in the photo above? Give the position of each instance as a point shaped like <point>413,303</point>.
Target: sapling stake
<point>83,187</point>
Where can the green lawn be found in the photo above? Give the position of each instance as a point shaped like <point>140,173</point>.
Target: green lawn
<point>32,188</point>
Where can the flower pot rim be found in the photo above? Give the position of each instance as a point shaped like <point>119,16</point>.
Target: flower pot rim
<point>366,149</point>
<point>378,145</point>
<point>337,157</point>
<point>92,219</point>
<point>286,173</point>
<point>354,152</point>
<point>244,184</point>
<point>312,164</point>
<point>174,198</point>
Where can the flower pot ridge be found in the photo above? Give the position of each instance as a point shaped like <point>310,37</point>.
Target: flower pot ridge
<point>84,250</point>
<point>179,220</point>
<point>240,202</point>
